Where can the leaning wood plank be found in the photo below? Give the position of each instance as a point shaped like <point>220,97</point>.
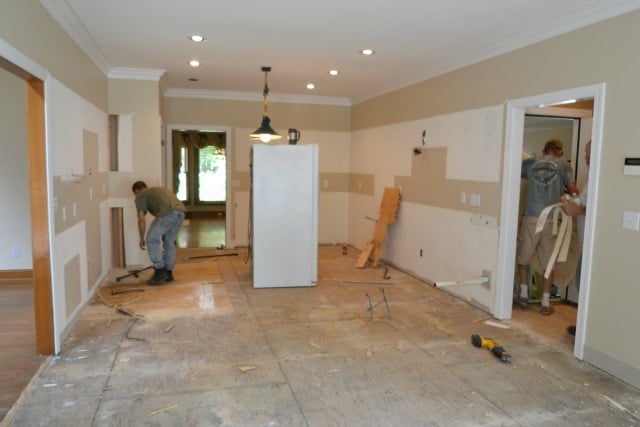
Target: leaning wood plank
<point>364,255</point>
<point>389,205</point>
<point>388,215</point>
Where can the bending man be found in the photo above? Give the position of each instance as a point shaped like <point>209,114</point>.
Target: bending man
<point>169,214</point>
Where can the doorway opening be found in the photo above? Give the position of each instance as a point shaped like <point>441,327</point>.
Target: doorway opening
<point>198,162</point>
<point>39,203</point>
<point>571,123</point>
<point>515,118</point>
<point>25,292</point>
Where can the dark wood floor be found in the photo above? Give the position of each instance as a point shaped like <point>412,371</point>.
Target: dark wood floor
<point>202,231</point>
<point>19,360</point>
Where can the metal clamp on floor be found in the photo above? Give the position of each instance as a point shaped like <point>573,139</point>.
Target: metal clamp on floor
<point>133,273</point>
<point>372,306</point>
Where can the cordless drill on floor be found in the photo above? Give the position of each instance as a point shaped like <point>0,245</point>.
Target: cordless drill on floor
<point>492,345</point>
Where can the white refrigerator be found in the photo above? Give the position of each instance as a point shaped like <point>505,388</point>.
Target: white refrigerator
<point>284,197</point>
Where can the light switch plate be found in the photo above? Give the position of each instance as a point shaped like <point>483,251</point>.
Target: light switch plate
<point>632,166</point>
<point>631,220</point>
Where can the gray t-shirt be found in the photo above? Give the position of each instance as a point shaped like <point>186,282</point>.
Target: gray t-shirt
<point>158,201</point>
<point>547,177</point>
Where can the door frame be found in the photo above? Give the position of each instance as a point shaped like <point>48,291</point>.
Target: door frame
<point>168,168</point>
<point>35,78</point>
<point>514,129</point>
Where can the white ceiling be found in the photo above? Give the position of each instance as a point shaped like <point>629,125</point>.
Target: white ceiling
<point>301,40</point>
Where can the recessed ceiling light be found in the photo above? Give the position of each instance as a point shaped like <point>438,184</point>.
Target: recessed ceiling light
<point>334,72</point>
<point>367,51</point>
<point>194,63</point>
<point>196,38</point>
<point>311,86</point>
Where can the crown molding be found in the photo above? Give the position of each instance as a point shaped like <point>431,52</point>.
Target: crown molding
<point>135,73</point>
<point>69,21</point>
<point>255,96</point>
<point>539,31</point>
<point>534,33</point>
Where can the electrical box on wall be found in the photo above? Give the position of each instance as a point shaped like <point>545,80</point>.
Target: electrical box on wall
<point>632,166</point>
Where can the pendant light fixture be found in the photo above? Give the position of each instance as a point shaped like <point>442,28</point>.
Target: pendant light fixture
<point>265,132</point>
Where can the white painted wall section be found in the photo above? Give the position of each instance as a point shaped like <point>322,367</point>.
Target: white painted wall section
<point>66,246</point>
<point>455,244</point>
<point>65,128</point>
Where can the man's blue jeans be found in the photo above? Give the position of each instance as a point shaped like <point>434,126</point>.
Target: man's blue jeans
<point>163,231</point>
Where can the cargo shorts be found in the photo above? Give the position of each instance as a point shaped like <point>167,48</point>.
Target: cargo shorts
<point>530,242</point>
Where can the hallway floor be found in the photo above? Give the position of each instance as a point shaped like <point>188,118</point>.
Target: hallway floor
<point>19,360</point>
<point>210,350</point>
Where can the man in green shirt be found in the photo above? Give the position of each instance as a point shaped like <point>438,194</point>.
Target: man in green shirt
<point>169,214</point>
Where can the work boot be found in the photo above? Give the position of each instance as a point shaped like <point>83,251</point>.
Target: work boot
<point>169,276</point>
<point>160,275</point>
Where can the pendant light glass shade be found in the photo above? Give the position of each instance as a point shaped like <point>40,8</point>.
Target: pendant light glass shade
<point>265,132</point>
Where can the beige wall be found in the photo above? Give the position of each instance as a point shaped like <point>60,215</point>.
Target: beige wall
<point>15,224</point>
<point>28,27</point>
<point>142,144</point>
<point>139,100</point>
<point>325,125</point>
<point>247,114</point>
<point>604,52</point>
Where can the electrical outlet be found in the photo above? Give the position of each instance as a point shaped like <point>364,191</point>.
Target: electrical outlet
<point>15,251</point>
<point>487,274</point>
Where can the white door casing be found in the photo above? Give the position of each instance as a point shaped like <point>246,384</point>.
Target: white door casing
<point>511,193</point>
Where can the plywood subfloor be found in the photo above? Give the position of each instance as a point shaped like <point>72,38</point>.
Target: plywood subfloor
<point>210,350</point>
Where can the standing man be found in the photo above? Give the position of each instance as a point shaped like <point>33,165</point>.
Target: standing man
<point>169,214</point>
<point>548,176</point>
